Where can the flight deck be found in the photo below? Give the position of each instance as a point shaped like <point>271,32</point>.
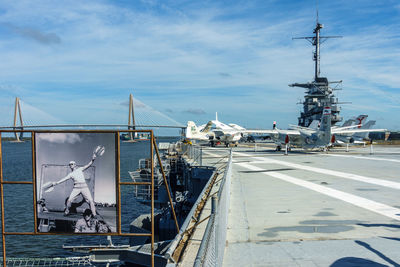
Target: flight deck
<point>332,208</point>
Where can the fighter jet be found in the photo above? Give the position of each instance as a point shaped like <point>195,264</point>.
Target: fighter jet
<point>224,133</point>
<point>215,131</point>
<point>314,137</point>
<point>363,136</point>
<point>201,134</point>
<point>310,138</point>
<point>358,137</point>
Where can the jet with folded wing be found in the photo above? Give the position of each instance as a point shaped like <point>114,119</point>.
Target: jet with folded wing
<point>305,137</point>
<point>201,133</point>
<point>224,133</point>
<point>357,137</point>
<point>215,131</point>
<point>314,137</point>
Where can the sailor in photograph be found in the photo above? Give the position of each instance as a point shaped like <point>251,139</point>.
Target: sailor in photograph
<point>80,186</point>
<point>88,224</point>
<point>41,205</point>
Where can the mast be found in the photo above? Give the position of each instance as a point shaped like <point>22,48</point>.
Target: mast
<point>316,41</point>
<point>318,92</point>
<point>317,56</point>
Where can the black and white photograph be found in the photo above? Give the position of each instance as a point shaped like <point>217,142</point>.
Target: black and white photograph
<point>76,182</point>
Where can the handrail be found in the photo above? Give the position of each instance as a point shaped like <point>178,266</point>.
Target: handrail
<point>185,224</point>
<point>213,223</point>
<point>204,243</point>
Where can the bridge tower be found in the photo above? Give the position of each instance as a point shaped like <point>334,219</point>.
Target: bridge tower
<point>18,114</point>
<point>131,119</point>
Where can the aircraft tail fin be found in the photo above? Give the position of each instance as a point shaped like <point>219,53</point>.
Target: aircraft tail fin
<point>348,122</point>
<point>360,120</point>
<point>367,125</point>
<point>191,129</point>
<point>326,123</point>
<point>314,124</point>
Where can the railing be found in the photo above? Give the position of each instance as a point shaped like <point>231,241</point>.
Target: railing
<point>197,207</point>
<point>211,251</point>
<point>39,262</point>
<point>112,138</point>
<point>143,192</point>
<point>193,152</point>
<point>143,175</point>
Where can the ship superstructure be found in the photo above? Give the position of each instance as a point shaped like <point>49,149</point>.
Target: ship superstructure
<point>319,92</point>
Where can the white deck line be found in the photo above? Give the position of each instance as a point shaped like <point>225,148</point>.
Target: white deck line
<point>360,157</point>
<point>212,154</point>
<point>326,171</point>
<point>376,207</point>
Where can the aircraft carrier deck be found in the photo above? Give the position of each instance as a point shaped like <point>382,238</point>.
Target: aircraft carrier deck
<point>264,208</point>
<point>313,208</point>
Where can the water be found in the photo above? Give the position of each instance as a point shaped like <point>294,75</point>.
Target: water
<point>18,201</point>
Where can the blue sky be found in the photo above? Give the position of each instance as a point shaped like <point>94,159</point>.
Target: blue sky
<point>78,61</point>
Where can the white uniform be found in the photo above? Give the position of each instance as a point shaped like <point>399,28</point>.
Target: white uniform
<point>80,186</point>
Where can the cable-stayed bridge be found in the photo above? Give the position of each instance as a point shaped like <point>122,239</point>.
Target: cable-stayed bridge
<point>141,116</point>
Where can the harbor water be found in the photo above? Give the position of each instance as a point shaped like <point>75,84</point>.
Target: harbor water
<point>18,201</point>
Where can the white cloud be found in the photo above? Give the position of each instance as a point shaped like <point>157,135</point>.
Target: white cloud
<point>61,138</point>
<point>174,55</point>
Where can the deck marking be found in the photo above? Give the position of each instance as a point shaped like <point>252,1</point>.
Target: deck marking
<point>360,157</point>
<point>345,175</point>
<point>213,154</point>
<point>361,202</point>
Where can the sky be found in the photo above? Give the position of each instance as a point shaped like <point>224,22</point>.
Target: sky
<point>78,61</point>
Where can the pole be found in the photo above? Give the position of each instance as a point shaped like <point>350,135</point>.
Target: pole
<point>201,156</point>
<point>3,237</point>
<point>167,187</point>
<point>118,145</point>
<point>371,149</point>
<point>152,196</point>
<point>316,56</point>
<point>347,147</point>
<point>33,143</point>
<point>213,204</point>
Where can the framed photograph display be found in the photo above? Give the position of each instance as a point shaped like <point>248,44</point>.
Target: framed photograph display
<point>76,183</point>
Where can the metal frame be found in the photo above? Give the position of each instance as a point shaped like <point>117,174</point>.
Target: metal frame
<point>153,146</point>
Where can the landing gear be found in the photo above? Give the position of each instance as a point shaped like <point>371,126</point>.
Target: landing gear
<point>278,148</point>
<point>226,144</point>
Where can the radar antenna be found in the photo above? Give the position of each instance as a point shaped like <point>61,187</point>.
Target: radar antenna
<point>316,41</point>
